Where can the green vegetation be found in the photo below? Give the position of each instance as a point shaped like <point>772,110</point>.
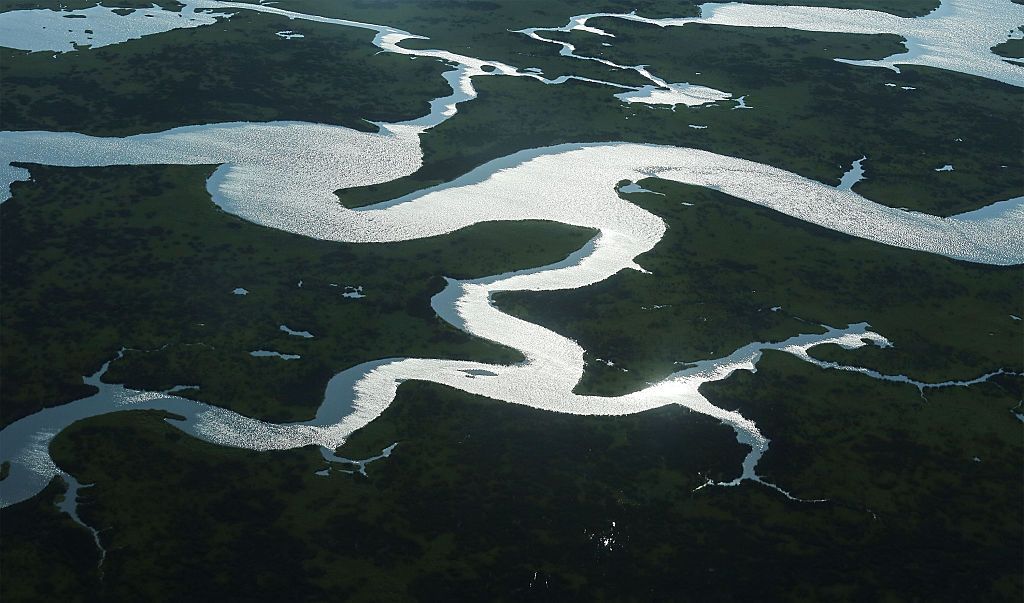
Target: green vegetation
<point>93,259</point>
<point>724,263</point>
<point>478,496</point>
<point>239,70</point>
<point>934,473</point>
<point>798,85</point>
<point>1013,49</point>
<point>236,70</point>
<point>811,115</point>
<point>46,555</point>
<point>489,501</point>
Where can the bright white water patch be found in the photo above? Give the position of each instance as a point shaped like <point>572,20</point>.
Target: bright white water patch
<point>96,26</point>
<point>354,292</point>
<point>304,334</point>
<point>283,175</point>
<point>659,92</point>
<point>19,32</point>
<point>359,464</point>
<point>967,56</point>
<point>304,158</point>
<point>289,35</point>
<point>240,291</point>
<point>741,103</point>
<point>389,39</point>
<point>674,94</point>
<point>945,168</point>
<point>853,176</point>
<point>582,26</point>
<point>1001,222</point>
<point>957,36</point>
<point>633,187</point>
<point>270,354</point>
<point>357,395</point>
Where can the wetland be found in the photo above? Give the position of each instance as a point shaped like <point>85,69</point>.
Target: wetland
<point>730,344</point>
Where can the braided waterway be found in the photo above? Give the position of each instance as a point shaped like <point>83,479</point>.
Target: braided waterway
<point>283,175</point>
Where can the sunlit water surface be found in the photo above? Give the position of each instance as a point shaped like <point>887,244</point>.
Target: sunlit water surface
<point>284,175</point>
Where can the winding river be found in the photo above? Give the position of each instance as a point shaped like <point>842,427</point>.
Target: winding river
<point>284,174</point>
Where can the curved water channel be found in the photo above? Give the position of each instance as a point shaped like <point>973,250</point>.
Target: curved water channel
<point>284,175</point>
<point>957,36</point>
